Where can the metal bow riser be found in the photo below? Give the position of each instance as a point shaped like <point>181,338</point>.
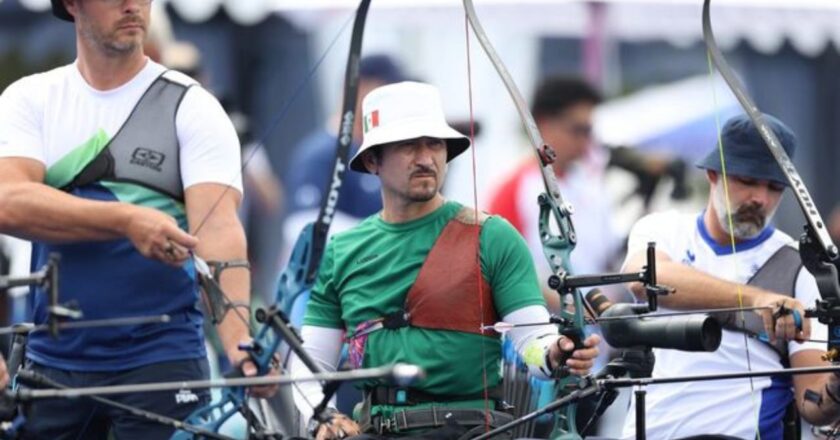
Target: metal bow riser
<point>294,283</point>
<point>214,415</point>
<point>557,246</point>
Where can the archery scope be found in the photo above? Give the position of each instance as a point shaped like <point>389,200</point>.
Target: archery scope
<point>688,333</point>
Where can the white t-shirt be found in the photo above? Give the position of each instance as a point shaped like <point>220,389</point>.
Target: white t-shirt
<point>726,406</point>
<point>58,119</point>
<point>47,116</point>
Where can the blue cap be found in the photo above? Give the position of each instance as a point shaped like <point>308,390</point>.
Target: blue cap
<point>381,67</point>
<point>746,153</point>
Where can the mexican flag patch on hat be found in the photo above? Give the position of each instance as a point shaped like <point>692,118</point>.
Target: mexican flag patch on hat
<point>371,120</point>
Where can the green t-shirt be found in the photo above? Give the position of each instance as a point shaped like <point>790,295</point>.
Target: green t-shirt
<point>367,273</point>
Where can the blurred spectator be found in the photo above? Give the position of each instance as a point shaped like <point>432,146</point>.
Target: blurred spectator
<point>650,170</point>
<point>311,165</point>
<point>159,34</point>
<point>562,108</point>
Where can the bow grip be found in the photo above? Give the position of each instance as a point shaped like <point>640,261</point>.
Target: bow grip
<point>797,319</point>
<point>797,322</point>
<point>576,336</point>
<point>258,354</point>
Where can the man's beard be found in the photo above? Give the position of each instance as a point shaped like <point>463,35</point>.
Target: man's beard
<point>421,195</point>
<point>425,192</point>
<point>748,220</point>
<point>108,41</point>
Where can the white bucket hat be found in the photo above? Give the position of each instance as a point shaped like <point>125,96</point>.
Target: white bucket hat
<point>402,111</point>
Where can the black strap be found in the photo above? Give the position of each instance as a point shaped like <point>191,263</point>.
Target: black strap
<point>791,425</point>
<point>432,417</point>
<point>395,320</point>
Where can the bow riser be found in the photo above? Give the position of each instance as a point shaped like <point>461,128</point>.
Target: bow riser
<point>212,417</point>
<point>557,246</point>
<point>294,280</point>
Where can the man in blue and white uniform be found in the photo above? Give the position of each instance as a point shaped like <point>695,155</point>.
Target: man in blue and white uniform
<point>713,262</point>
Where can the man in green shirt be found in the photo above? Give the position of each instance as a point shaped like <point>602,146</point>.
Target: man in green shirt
<point>419,282</point>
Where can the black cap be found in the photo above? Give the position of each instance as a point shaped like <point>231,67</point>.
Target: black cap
<point>60,11</point>
<point>746,154</point>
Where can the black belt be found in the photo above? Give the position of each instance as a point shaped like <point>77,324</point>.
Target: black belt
<point>383,395</point>
<point>432,417</point>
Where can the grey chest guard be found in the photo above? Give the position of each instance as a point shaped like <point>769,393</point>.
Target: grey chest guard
<point>777,275</point>
<point>145,150</point>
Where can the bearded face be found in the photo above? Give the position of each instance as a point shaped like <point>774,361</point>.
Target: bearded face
<point>749,215</point>
<point>113,29</point>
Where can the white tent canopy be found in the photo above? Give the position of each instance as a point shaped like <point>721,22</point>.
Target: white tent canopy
<point>810,25</point>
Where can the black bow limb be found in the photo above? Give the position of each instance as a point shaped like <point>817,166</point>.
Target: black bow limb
<point>819,254</point>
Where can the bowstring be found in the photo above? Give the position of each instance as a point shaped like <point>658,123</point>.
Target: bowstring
<point>725,181</point>
<point>476,213</point>
<point>260,144</point>
<point>281,115</point>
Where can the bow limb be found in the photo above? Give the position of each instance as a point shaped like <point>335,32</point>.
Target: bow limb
<point>330,199</point>
<point>557,246</point>
<point>280,116</point>
<point>819,253</point>
<point>345,139</point>
<point>716,57</point>
<point>298,278</point>
<point>803,197</point>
